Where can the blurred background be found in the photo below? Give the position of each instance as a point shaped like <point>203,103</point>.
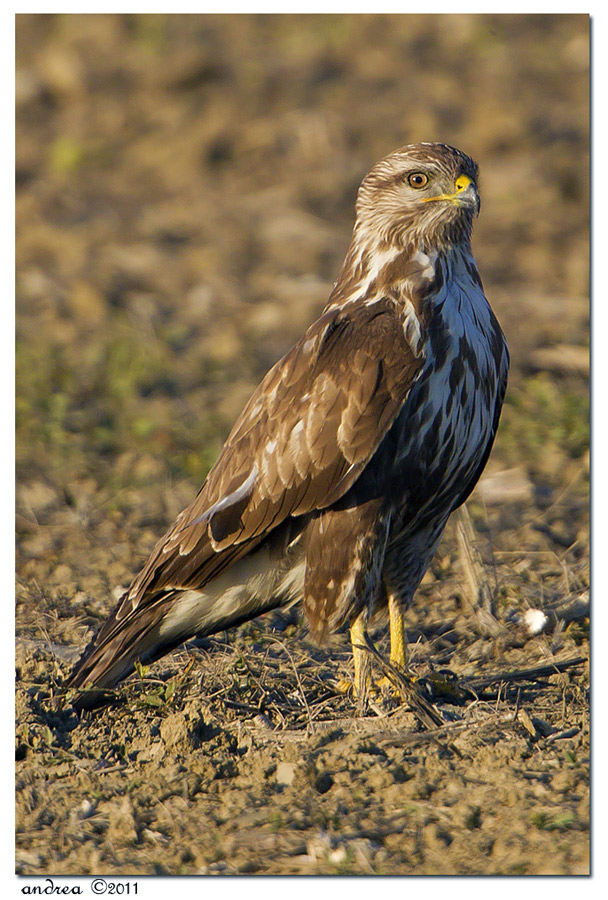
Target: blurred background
<point>185,196</point>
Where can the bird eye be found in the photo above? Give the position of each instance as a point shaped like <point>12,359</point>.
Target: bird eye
<point>417,180</point>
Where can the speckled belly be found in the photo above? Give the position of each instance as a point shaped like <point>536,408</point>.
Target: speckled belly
<point>439,442</point>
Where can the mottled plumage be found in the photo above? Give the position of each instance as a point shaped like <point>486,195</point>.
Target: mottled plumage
<point>337,480</point>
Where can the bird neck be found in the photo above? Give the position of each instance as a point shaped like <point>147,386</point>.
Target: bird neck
<point>371,270</point>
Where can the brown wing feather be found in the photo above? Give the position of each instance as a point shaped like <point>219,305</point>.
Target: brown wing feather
<point>300,443</point>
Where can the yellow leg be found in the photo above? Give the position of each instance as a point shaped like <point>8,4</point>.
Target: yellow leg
<point>361,659</point>
<point>397,631</point>
<point>357,640</point>
<point>424,710</point>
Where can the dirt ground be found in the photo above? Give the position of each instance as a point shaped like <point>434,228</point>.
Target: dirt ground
<point>185,193</point>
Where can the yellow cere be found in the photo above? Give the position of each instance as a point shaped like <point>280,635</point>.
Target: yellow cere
<point>462,182</point>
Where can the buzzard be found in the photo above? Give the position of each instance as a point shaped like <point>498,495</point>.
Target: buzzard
<point>337,480</point>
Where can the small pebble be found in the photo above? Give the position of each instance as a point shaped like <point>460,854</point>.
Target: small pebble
<point>286,772</point>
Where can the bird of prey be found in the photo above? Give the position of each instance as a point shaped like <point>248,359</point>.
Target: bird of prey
<point>337,480</point>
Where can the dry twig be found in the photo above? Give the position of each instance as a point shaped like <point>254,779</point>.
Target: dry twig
<point>479,591</point>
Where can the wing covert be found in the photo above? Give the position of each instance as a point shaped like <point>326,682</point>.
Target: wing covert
<point>302,440</point>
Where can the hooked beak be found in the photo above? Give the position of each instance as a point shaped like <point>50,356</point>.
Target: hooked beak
<point>465,195</point>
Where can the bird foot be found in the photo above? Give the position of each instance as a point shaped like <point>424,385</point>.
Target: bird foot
<point>407,688</point>
<point>385,686</point>
<point>345,686</point>
<point>374,686</point>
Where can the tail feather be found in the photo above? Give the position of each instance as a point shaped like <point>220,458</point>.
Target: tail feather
<point>118,645</point>
<point>151,632</point>
<point>155,622</point>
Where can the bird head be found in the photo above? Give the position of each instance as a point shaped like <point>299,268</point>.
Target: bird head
<point>422,194</point>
